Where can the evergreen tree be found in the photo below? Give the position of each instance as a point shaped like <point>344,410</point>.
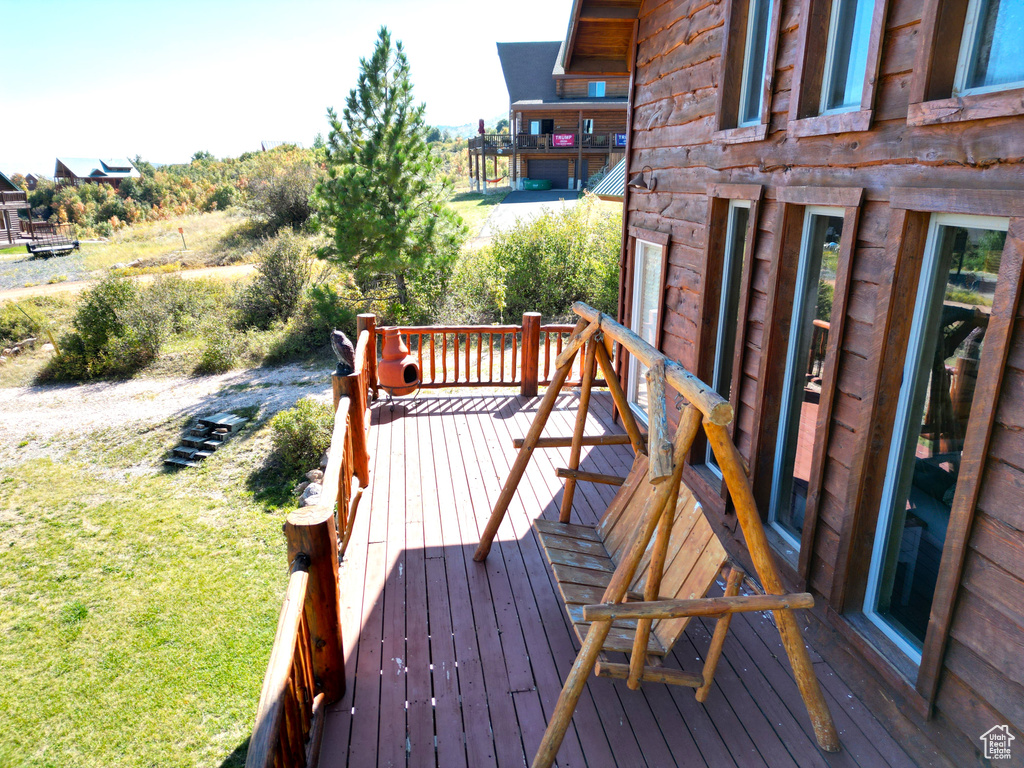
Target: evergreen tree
<point>386,214</point>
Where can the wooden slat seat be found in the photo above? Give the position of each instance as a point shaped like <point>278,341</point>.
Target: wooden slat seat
<point>583,559</point>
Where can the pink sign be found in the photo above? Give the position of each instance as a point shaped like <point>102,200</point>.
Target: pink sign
<point>563,139</point>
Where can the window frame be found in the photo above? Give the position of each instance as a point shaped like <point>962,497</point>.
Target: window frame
<point>588,123</point>
<point>910,208</point>
<point>805,115</point>
<point>698,473</point>
<point>790,381</point>
<point>924,306</point>
<point>734,58</point>
<point>658,239</point>
<point>933,99</point>
<point>776,322</point>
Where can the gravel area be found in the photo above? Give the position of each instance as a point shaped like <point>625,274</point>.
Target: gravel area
<point>21,269</point>
<point>46,410</point>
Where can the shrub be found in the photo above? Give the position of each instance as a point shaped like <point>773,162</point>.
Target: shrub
<point>279,186</point>
<point>118,329</point>
<point>285,268</point>
<point>542,265</point>
<point>302,434</point>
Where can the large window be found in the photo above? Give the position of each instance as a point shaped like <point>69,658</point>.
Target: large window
<point>648,260</point>
<point>947,334</point>
<point>755,59</point>
<point>728,316</point>
<point>846,56</point>
<point>990,52</point>
<point>805,370</point>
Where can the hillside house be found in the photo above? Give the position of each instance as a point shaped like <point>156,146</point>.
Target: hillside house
<point>12,200</point>
<point>32,180</point>
<point>565,125</point>
<point>82,170</point>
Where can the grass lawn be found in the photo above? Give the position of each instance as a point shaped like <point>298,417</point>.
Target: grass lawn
<point>137,607</point>
<point>213,239</point>
<point>13,251</point>
<point>475,207</point>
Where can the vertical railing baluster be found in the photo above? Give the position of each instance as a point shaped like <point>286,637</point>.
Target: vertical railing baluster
<point>502,379</point>
<point>490,356</point>
<point>455,343</point>
<point>419,351</point>
<point>444,357</point>
<point>468,338</point>
<point>515,347</point>
<point>433,376</point>
<point>547,355</point>
<point>479,357</point>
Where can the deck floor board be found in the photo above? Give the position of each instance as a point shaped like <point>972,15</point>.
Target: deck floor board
<point>457,664</point>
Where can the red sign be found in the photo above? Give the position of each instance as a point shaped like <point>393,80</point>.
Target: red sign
<point>563,139</point>
<point>181,231</point>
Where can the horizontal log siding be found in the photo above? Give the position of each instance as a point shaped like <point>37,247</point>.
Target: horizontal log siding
<point>614,88</point>
<point>678,67</point>
<point>567,121</point>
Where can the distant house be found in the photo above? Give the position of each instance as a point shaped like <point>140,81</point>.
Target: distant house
<point>565,125</point>
<point>32,180</point>
<point>12,200</point>
<point>79,170</point>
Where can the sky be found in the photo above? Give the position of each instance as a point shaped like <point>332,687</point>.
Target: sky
<point>163,80</point>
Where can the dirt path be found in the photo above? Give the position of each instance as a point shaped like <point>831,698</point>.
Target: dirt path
<point>233,272</point>
<point>49,409</point>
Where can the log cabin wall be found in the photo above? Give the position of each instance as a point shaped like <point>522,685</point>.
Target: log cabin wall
<point>578,88</point>
<point>974,678</point>
<point>567,120</point>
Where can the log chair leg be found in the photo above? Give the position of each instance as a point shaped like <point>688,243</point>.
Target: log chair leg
<point>570,695</point>
<point>731,464</point>
<point>732,588</point>
<point>523,457</point>
<point>581,422</point>
<point>619,398</point>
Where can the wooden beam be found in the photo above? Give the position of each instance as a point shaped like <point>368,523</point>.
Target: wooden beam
<point>705,606</point>
<point>568,492</point>
<point>565,442</point>
<point>659,446</point>
<point>714,407</point>
<point>589,477</point>
<point>619,397</point>
<point>732,589</point>
<point>578,338</point>
<point>650,674</point>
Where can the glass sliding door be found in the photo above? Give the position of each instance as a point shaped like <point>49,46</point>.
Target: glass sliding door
<point>947,335</point>
<point>805,370</point>
<point>647,263</point>
<point>736,250</point>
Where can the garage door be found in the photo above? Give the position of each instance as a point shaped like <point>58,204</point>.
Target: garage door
<point>555,171</point>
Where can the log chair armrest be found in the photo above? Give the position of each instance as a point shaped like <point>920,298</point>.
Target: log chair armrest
<point>708,606</point>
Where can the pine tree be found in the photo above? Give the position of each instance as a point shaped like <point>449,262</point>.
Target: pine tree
<point>379,201</point>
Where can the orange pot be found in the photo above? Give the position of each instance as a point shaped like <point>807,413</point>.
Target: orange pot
<point>397,371</point>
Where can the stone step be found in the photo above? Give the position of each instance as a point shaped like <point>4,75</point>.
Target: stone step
<point>183,452</point>
<point>200,455</point>
<point>176,462</point>
<point>211,445</point>
<point>227,421</point>
<point>193,442</point>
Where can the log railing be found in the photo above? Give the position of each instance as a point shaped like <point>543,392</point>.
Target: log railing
<point>456,356</point>
<point>306,671</point>
<point>14,199</point>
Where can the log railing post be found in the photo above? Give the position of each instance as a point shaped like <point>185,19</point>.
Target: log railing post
<point>531,354</point>
<point>368,322</point>
<point>311,531</point>
<point>352,387</point>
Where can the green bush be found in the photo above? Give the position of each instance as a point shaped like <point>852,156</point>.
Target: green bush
<point>279,186</point>
<point>285,268</point>
<point>15,325</point>
<point>187,303</point>
<point>545,264</point>
<point>118,330</point>
<point>301,434</point>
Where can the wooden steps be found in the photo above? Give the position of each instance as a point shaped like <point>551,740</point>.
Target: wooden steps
<point>203,438</point>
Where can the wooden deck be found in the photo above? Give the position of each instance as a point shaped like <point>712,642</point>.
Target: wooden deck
<point>457,664</point>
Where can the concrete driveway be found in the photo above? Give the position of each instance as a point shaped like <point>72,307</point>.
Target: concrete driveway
<point>525,205</point>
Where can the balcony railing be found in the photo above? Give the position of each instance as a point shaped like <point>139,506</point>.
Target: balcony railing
<point>558,141</point>
<point>13,200</point>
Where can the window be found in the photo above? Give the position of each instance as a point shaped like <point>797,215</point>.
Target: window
<point>648,262</point>
<point>968,64</point>
<point>755,60</point>
<point>729,319</point>
<point>947,334</point>
<point>535,127</point>
<point>804,370</point>
<point>748,63</point>
<point>588,125</point>
<point>837,68</point>
<point>846,55</point>
<point>595,90</point>
<point>990,52</point>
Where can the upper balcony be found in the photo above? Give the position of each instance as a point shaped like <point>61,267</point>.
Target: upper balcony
<point>13,200</point>
<point>557,142</point>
